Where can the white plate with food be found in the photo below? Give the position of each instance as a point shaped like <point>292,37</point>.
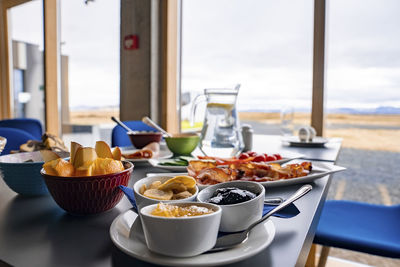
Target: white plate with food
<point>274,175</point>
<point>315,142</point>
<point>127,234</point>
<point>179,164</point>
<point>319,170</point>
<point>151,151</point>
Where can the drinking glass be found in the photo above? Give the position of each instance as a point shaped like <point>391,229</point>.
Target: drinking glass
<point>287,116</point>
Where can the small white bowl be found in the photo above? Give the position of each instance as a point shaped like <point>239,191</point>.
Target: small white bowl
<point>237,217</point>
<point>142,201</point>
<point>181,236</point>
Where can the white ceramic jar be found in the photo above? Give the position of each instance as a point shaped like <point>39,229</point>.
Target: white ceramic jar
<point>237,217</point>
<point>181,236</point>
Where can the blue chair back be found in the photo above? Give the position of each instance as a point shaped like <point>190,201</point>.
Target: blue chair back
<point>15,138</point>
<point>119,136</point>
<point>32,126</point>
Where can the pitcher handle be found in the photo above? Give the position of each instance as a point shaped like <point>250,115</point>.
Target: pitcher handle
<point>196,101</point>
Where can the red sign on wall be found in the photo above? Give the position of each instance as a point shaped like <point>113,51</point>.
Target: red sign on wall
<point>131,42</point>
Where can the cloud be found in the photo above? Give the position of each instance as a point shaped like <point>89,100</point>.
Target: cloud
<point>267,46</point>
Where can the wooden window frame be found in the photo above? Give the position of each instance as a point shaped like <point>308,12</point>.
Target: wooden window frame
<point>170,112</point>
<point>51,62</point>
<point>52,81</point>
<point>318,89</point>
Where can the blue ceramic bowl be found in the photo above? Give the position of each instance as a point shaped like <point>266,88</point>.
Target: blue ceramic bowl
<point>23,178</point>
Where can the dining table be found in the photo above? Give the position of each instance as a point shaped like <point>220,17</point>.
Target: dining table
<point>35,231</point>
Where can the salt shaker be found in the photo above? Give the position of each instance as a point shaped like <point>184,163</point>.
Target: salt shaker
<point>312,133</point>
<point>247,133</point>
<point>304,134</point>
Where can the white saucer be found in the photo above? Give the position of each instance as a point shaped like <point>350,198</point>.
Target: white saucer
<point>295,141</point>
<point>127,234</point>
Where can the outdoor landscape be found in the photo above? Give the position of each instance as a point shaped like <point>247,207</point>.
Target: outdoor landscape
<point>368,131</point>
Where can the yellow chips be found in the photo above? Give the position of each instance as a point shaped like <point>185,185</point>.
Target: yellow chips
<point>178,182</point>
<point>158,194</point>
<point>178,187</point>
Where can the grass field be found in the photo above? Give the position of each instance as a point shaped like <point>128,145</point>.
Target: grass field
<point>371,132</point>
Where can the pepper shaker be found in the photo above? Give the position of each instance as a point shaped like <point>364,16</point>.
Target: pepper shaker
<point>247,133</point>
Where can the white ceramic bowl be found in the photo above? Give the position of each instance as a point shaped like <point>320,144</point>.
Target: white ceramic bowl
<point>237,217</point>
<point>181,236</point>
<point>142,201</point>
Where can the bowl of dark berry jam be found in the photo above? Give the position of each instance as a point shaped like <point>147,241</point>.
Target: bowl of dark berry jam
<point>242,203</point>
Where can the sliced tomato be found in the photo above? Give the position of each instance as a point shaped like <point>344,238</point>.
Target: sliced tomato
<point>259,158</point>
<point>270,158</point>
<point>252,153</point>
<point>243,156</point>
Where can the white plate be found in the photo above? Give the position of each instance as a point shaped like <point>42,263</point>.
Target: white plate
<point>164,154</point>
<point>156,164</point>
<point>285,158</point>
<point>127,234</point>
<point>295,141</point>
<point>319,170</point>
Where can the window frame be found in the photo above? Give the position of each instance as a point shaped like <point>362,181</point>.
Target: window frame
<point>51,62</point>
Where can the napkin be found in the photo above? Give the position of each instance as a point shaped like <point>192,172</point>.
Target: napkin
<point>288,212</point>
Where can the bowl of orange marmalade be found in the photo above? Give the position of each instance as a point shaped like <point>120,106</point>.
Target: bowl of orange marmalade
<point>181,229</point>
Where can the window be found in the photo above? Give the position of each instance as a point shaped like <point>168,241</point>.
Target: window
<point>90,48</point>
<point>266,46</point>
<point>26,32</point>
<point>363,103</point>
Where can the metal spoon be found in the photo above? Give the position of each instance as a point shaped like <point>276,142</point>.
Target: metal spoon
<point>151,123</point>
<point>231,240</point>
<point>273,200</point>
<point>123,125</point>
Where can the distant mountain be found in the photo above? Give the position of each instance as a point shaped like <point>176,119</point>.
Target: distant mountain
<point>379,110</point>
<point>387,110</point>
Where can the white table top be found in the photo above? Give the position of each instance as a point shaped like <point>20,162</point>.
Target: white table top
<point>36,232</point>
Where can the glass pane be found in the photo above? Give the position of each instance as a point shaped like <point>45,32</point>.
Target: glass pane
<point>90,44</point>
<point>363,98</point>
<point>26,32</point>
<point>266,46</point>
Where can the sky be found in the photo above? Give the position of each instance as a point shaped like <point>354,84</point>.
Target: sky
<point>264,45</point>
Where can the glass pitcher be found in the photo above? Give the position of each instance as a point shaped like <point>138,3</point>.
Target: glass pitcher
<point>220,136</point>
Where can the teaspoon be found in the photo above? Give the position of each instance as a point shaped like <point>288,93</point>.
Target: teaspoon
<point>232,240</point>
<point>123,125</point>
<point>151,123</point>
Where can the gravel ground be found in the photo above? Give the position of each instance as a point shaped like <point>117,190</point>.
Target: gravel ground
<point>365,171</point>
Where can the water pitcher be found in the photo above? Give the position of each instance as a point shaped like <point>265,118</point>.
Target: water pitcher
<point>221,135</point>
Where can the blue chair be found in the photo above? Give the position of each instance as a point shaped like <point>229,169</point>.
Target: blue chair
<point>32,126</point>
<point>361,227</point>
<point>119,136</point>
<point>15,138</point>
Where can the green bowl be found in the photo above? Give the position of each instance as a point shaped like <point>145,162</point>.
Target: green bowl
<point>182,144</point>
